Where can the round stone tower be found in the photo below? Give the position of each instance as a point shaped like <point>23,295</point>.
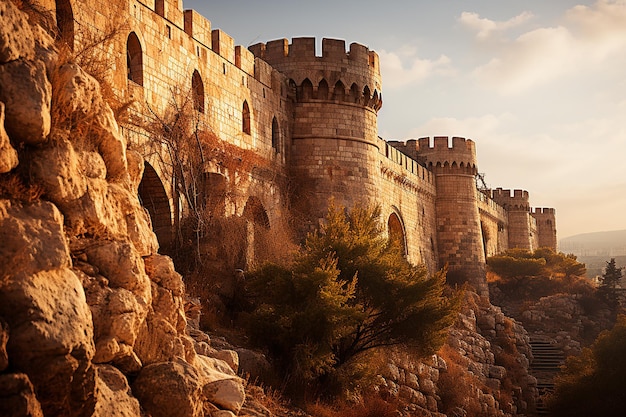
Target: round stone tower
<point>459,235</point>
<point>522,230</point>
<point>335,133</point>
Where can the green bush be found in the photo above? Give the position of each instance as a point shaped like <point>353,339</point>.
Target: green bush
<point>517,263</point>
<point>347,292</point>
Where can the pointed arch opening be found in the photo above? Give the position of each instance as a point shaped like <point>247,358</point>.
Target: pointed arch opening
<point>306,90</point>
<point>153,197</point>
<point>354,93</point>
<point>367,95</point>
<point>134,59</point>
<point>65,22</point>
<point>397,236</point>
<point>322,90</point>
<point>197,88</point>
<point>245,118</point>
<point>339,92</point>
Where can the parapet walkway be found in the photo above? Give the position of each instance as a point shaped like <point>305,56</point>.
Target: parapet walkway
<point>546,363</point>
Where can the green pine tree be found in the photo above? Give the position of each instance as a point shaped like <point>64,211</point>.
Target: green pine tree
<point>610,282</point>
<point>348,292</point>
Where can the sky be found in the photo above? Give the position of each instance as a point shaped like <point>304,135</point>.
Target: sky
<point>540,86</point>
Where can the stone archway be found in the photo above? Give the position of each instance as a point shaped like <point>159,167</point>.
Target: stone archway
<point>154,198</point>
<point>65,22</point>
<point>257,228</point>
<point>396,232</point>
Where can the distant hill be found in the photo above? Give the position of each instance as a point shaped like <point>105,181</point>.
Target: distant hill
<point>595,249</point>
<point>611,243</point>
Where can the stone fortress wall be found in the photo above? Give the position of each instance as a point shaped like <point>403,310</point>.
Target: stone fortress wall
<point>315,118</point>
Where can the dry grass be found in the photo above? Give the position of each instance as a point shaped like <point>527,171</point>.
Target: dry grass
<point>12,186</point>
<point>370,405</point>
<point>457,387</point>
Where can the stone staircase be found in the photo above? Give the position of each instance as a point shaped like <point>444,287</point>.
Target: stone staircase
<point>546,363</point>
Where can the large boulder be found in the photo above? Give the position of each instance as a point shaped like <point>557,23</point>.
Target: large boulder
<point>17,397</point>
<point>8,154</point>
<point>27,94</point>
<point>16,38</point>
<point>170,389</point>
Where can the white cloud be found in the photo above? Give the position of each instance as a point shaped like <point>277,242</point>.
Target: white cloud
<point>533,58</point>
<point>402,67</point>
<point>589,37</point>
<point>485,28</point>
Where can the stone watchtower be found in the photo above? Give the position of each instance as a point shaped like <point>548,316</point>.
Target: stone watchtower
<point>546,227</point>
<point>335,134</point>
<point>459,236</point>
<point>522,227</point>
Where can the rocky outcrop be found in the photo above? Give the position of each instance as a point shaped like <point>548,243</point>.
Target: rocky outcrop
<point>570,320</point>
<point>85,299</point>
<point>482,370</point>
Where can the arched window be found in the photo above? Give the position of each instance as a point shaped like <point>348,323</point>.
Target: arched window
<point>197,88</point>
<point>366,96</point>
<point>306,89</point>
<point>339,92</point>
<point>245,118</point>
<point>322,90</point>
<point>396,232</point>
<point>354,93</point>
<point>275,135</point>
<point>134,59</point>
<point>65,22</point>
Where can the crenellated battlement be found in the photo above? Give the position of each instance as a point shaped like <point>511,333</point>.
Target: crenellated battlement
<point>544,210</point>
<point>445,152</point>
<point>339,76</point>
<point>333,51</point>
<point>511,199</point>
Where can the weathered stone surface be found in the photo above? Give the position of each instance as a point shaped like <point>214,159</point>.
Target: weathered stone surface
<point>136,165</point>
<point>51,333</point>
<point>113,394</point>
<point>17,397</point>
<point>8,154</point>
<point>158,341</point>
<point>16,38</point>
<point>230,357</point>
<point>78,101</point>
<point>57,168</point>
<point>32,238</point>
<point>120,263</point>
<point>220,384</point>
<point>170,389</point>
<point>26,92</point>
<point>161,270</point>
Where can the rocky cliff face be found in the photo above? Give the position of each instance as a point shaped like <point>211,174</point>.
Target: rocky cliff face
<point>92,319</point>
<point>482,370</point>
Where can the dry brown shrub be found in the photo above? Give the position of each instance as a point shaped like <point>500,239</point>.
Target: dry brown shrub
<point>456,386</point>
<point>370,405</point>
<point>12,186</point>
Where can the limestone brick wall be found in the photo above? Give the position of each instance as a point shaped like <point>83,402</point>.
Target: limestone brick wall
<point>495,225</point>
<point>408,190</point>
<point>173,45</point>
